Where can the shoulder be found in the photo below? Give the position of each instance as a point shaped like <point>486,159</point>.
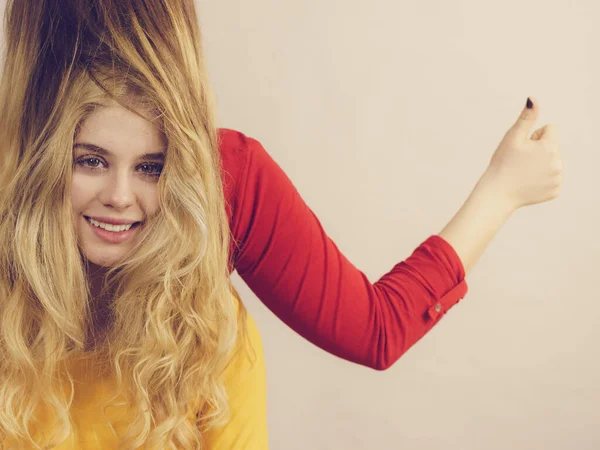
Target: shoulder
<point>233,149</point>
<point>241,157</point>
<point>233,145</point>
<point>236,148</point>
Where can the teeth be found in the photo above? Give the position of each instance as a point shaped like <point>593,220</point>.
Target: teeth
<point>110,227</point>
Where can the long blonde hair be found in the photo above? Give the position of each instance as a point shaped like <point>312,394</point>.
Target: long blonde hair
<point>174,323</point>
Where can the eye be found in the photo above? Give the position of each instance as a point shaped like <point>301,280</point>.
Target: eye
<point>150,169</point>
<point>82,162</point>
<point>153,166</point>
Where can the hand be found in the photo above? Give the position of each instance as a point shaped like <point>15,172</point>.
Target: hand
<point>527,170</point>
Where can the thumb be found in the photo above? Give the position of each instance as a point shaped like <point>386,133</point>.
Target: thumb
<point>522,127</point>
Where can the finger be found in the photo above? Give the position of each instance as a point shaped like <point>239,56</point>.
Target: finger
<point>522,127</point>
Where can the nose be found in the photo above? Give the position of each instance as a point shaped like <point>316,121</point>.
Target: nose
<point>118,191</point>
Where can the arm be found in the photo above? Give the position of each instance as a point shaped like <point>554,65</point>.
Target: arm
<point>285,256</point>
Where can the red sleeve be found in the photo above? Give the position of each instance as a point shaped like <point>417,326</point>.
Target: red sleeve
<point>284,255</point>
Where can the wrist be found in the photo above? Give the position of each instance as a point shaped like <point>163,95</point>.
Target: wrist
<point>493,191</point>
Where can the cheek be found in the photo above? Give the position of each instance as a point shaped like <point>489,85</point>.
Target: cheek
<point>80,193</point>
<point>149,198</point>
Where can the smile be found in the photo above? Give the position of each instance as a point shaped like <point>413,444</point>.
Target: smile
<point>114,234</point>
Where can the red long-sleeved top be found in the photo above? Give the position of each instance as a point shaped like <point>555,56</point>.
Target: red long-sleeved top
<point>282,252</point>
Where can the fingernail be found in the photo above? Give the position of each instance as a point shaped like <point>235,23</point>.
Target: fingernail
<point>529,103</point>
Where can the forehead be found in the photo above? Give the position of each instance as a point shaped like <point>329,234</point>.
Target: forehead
<point>114,127</point>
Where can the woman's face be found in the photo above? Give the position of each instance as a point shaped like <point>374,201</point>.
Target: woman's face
<point>117,159</point>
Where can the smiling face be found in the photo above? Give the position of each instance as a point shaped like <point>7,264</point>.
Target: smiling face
<point>117,160</point>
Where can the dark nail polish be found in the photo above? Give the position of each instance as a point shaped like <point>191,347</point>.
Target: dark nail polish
<point>529,104</point>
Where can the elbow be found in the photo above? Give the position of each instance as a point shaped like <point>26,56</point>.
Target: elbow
<point>388,349</point>
<point>384,361</point>
<point>380,367</point>
<point>383,365</point>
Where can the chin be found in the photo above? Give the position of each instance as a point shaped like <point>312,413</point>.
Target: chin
<point>99,262</point>
<point>95,258</point>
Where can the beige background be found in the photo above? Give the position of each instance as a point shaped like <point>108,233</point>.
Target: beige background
<point>384,114</point>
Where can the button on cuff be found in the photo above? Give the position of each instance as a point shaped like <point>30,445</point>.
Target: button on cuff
<point>452,297</point>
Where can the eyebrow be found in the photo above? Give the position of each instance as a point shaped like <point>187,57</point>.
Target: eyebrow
<point>104,152</point>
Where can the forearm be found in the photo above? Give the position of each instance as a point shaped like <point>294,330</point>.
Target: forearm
<point>478,220</point>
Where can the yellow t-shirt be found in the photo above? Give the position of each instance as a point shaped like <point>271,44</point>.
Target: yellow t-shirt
<point>245,382</point>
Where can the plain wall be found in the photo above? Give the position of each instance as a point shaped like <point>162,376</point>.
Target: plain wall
<point>384,114</point>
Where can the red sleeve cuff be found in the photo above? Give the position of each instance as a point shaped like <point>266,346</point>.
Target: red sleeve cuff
<point>451,298</point>
<point>459,287</point>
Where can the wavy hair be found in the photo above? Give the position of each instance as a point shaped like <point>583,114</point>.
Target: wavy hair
<point>175,316</point>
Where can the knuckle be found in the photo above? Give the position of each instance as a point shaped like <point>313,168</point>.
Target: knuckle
<point>558,182</point>
<point>554,193</point>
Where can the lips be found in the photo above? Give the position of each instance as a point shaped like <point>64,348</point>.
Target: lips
<point>114,237</point>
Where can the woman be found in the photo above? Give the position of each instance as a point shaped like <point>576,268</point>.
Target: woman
<point>156,304</point>
<point>171,370</point>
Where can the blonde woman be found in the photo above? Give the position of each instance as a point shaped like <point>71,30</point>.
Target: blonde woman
<point>123,211</point>
<point>111,338</point>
